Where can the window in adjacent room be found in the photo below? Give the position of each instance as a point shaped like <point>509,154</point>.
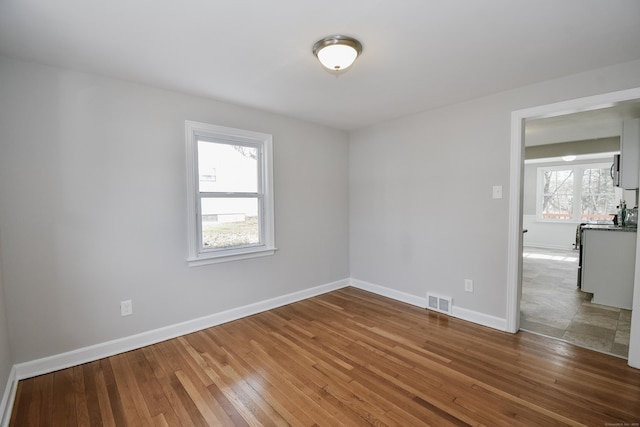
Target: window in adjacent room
<point>575,193</point>
<point>230,192</point>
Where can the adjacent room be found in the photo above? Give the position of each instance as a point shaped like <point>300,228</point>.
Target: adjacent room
<point>207,219</point>
<point>570,290</point>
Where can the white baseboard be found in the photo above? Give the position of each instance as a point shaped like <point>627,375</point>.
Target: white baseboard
<point>95,352</point>
<point>102,350</point>
<point>390,293</point>
<point>6,404</point>
<point>480,318</point>
<point>459,312</point>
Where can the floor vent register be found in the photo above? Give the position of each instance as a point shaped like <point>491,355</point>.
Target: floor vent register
<point>439,303</point>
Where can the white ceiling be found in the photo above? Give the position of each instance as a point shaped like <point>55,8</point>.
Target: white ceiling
<point>418,54</point>
<point>602,122</point>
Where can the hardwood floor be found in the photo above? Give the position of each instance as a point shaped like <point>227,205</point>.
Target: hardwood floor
<point>346,358</point>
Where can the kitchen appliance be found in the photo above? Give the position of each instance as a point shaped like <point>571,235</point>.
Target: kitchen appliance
<point>615,170</point>
<point>627,164</point>
<point>578,246</point>
<point>632,217</point>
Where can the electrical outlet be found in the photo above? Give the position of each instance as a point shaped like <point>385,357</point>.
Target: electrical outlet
<point>126,308</point>
<point>468,285</point>
<point>497,191</point>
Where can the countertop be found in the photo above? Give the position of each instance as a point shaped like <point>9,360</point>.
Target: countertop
<point>608,227</point>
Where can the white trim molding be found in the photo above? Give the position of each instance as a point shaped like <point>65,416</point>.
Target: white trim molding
<point>110,348</point>
<point>95,352</point>
<point>262,143</point>
<point>514,244</point>
<point>6,404</point>
<point>458,312</point>
<point>390,293</point>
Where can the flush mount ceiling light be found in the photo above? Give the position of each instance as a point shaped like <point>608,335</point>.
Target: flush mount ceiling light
<point>569,158</point>
<point>337,53</point>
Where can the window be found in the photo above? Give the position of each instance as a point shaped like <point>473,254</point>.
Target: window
<point>230,193</point>
<point>576,193</point>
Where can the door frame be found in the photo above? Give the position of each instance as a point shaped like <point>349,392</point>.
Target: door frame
<point>516,182</point>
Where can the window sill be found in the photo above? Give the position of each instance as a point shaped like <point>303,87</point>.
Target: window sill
<point>217,258</point>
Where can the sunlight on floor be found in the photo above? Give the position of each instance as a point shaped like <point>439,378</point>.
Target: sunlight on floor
<point>554,306</point>
<point>551,257</point>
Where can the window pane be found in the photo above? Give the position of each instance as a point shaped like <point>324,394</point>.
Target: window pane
<point>229,222</point>
<point>557,194</point>
<point>227,168</point>
<point>598,195</point>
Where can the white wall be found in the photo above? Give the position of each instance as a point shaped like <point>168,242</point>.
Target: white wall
<point>93,205</point>
<point>550,235</point>
<point>421,207</point>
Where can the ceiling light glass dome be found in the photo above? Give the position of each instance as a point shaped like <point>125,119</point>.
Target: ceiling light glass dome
<point>337,53</point>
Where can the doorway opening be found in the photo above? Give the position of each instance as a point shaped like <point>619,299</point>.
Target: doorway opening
<point>558,111</point>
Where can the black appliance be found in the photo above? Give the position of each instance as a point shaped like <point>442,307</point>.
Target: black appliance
<point>578,246</point>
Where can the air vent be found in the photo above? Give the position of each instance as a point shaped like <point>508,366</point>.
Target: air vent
<point>439,303</point>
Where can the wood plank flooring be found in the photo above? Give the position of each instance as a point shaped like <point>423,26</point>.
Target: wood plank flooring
<point>346,358</point>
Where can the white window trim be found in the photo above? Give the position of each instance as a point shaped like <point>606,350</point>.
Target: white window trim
<point>576,190</point>
<point>196,256</point>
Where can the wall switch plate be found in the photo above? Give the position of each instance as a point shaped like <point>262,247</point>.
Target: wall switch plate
<point>468,285</point>
<point>497,191</point>
<point>126,308</point>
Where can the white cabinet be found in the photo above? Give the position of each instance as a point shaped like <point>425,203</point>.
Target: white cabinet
<point>608,266</point>
<point>629,154</point>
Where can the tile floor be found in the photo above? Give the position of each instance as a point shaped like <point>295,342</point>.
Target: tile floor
<point>553,305</point>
